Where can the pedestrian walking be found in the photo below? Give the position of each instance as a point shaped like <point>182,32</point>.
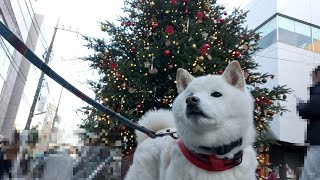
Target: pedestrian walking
<point>310,111</point>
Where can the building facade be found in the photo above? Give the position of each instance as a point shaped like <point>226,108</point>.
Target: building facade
<point>290,49</point>
<point>18,77</point>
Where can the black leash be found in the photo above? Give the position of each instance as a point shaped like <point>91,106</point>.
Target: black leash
<point>36,61</point>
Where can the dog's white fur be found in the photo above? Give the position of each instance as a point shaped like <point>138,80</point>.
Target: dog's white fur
<point>230,117</point>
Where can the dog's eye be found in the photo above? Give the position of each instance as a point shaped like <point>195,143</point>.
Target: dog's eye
<point>216,94</point>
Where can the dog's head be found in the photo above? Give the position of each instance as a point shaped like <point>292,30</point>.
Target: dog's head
<point>213,110</point>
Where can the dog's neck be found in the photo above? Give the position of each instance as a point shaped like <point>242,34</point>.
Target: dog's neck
<point>221,150</point>
<point>211,162</point>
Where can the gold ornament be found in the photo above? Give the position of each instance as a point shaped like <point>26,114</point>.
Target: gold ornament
<point>204,34</point>
<point>206,6</point>
<point>209,57</point>
<point>194,46</point>
<point>167,43</point>
<point>200,58</point>
<point>197,68</point>
<point>131,90</point>
<point>106,51</point>
<point>212,38</point>
<point>139,5</point>
<point>100,55</point>
<point>103,27</point>
<point>153,71</point>
<point>151,3</point>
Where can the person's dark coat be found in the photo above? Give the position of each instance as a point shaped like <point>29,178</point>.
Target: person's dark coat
<point>311,111</point>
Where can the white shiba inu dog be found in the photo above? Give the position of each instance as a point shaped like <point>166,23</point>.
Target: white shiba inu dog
<point>213,117</point>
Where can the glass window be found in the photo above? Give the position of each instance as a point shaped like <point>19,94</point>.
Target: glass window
<point>285,23</point>
<point>295,33</point>
<point>268,33</point>
<point>316,39</point>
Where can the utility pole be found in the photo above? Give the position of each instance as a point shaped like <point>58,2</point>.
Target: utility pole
<point>36,96</point>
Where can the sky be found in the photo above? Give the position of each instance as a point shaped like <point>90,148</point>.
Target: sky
<point>82,16</point>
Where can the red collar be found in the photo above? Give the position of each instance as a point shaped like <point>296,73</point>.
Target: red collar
<point>210,162</point>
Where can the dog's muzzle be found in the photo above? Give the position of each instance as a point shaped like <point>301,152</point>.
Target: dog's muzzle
<point>192,102</point>
<point>193,108</point>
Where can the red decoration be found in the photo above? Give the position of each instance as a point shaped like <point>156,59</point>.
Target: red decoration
<point>184,1</point>
<point>221,20</point>
<point>199,15</point>
<point>129,23</point>
<point>187,11</point>
<point>267,101</point>
<point>170,30</point>
<point>122,128</point>
<point>138,107</point>
<point>204,49</point>
<point>174,2</point>
<point>113,65</point>
<point>118,74</point>
<point>167,53</point>
<point>236,54</point>
<point>133,49</point>
<point>155,25</point>
<point>221,72</point>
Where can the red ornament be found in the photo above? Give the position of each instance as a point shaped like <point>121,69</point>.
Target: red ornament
<point>199,15</point>
<point>184,1</point>
<point>221,20</point>
<point>204,49</point>
<point>167,53</point>
<point>236,54</point>
<point>267,101</point>
<point>138,107</point>
<point>127,23</point>
<point>113,65</point>
<point>170,30</point>
<point>122,128</point>
<point>187,11</point>
<point>133,49</point>
<point>206,45</point>
<point>155,25</point>
<point>174,2</point>
<point>221,72</point>
<point>118,74</point>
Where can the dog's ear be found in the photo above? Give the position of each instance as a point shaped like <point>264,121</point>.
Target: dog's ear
<point>183,79</point>
<point>234,75</point>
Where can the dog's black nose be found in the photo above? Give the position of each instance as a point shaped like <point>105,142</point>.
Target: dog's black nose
<point>192,101</point>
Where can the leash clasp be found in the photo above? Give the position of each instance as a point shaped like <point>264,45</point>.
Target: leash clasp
<point>168,133</point>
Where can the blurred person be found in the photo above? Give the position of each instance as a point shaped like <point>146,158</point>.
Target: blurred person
<point>310,111</point>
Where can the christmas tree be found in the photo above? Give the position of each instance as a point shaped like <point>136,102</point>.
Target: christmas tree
<point>138,61</point>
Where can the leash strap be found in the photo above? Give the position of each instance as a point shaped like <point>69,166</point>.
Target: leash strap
<point>36,61</point>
